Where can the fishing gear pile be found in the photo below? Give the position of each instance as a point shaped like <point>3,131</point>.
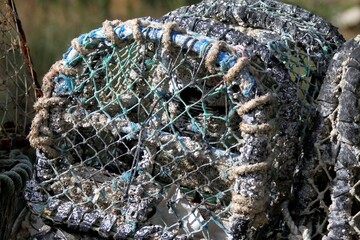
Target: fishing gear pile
<point>219,120</point>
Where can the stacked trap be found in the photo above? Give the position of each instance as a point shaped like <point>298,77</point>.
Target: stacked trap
<point>198,125</point>
<point>17,96</point>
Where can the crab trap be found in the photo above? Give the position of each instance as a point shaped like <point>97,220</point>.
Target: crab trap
<point>218,120</point>
<point>17,95</point>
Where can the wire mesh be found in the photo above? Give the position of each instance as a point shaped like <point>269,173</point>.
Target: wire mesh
<point>300,40</point>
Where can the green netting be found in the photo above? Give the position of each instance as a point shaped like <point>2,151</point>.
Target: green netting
<point>159,131</point>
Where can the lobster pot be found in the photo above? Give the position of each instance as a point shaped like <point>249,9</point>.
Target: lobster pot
<point>17,80</point>
<point>220,120</point>
<point>146,129</point>
<point>324,199</point>
<point>17,96</point>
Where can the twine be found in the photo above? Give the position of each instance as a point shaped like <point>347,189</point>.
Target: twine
<point>236,69</point>
<point>252,207</point>
<point>246,169</point>
<point>256,128</point>
<point>108,28</point>
<point>40,135</point>
<point>212,54</point>
<point>166,37</point>
<point>78,47</point>
<point>297,233</point>
<point>255,102</point>
<point>134,24</point>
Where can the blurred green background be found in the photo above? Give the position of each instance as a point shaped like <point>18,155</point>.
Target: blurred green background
<point>50,25</point>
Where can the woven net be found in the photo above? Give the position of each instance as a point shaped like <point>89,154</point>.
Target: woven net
<point>17,95</point>
<point>17,80</point>
<point>218,126</point>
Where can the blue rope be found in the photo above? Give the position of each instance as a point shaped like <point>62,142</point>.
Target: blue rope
<point>190,41</point>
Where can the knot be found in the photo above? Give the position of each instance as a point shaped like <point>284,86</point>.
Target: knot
<point>255,102</point>
<point>296,233</point>
<point>245,169</point>
<point>166,37</point>
<point>236,69</point>
<point>75,44</point>
<point>108,28</point>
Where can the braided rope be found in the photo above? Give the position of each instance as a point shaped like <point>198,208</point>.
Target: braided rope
<point>108,28</point>
<point>15,170</point>
<point>297,233</point>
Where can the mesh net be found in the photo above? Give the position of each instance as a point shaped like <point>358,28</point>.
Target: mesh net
<point>17,95</point>
<point>221,126</point>
<point>17,80</point>
<point>156,119</point>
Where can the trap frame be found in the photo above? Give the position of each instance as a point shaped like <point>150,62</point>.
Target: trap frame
<point>158,111</point>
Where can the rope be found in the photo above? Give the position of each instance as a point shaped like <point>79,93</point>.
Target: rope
<point>249,206</point>
<point>259,128</point>
<point>75,44</point>
<point>166,37</point>
<point>108,28</point>
<point>135,24</point>
<point>236,69</point>
<point>213,52</point>
<point>246,169</point>
<point>15,170</point>
<point>255,102</point>
<point>297,233</point>
<point>40,135</point>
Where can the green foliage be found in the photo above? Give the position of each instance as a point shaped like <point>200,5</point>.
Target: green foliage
<point>325,8</point>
